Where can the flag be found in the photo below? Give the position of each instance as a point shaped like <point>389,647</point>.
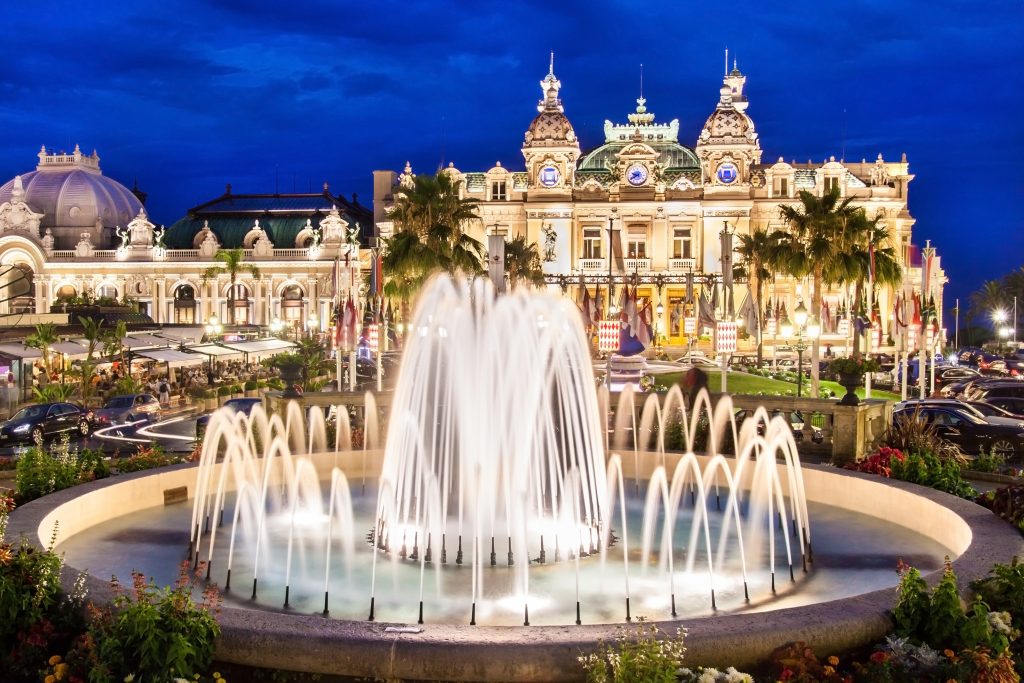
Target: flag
<point>376,276</point>
<point>351,321</point>
<point>748,312</point>
<point>826,317</point>
<point>598,303</point>
<point>338,324</point>
<point>871,262</point>
<point>646,317</point>
<point>590,312</point>
<point>689,288</point>
<point>705,312</point>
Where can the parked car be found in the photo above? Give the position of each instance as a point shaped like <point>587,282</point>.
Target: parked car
<point>1015,363</point>
<point>38,422</point>
<point>985,411</point>
<point>985,390</point>
<point>963,428</point>
<point>1011,404</point>
<point>235,405</point>
<point>954,373</point>
<point>993,410</point>
<point>128,408</point>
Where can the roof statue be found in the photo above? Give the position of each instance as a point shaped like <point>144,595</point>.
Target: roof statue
<point>16,214</point>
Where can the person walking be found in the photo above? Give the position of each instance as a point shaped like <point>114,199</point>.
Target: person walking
<point>165,394</point>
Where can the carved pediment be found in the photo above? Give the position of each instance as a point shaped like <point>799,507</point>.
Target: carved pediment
<point>16,215</point>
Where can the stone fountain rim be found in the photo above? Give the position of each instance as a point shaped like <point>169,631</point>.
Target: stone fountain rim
<point>314,644</point>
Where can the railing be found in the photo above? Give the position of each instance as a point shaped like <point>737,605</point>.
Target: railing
<point>182,255</point>
<point>637,264</point>
<point>823,427</point>
<point>591,264</point>
<point>682,264</point>
<point>185,255</point>
<point>62,255</point>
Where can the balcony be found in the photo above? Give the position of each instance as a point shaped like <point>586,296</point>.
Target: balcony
<point>684,264</point>
<point>637,265</point>
<point>592,265</point>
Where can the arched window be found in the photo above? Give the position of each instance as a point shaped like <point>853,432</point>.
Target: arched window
<point>17,288</point>
<point>291,303</point>
<point>185,304</point>
<point>66,292</point>
<point>106,292</point>
<point>239,300</point>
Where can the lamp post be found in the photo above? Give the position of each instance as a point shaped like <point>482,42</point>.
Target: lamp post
<point>213,329</point>
<point>807,329</point>
<point>276,327</point>
<point>611,284</point>
<point>311,323</point>
<point>998,320</point>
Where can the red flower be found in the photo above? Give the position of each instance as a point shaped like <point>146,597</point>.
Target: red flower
<point>879,657</point>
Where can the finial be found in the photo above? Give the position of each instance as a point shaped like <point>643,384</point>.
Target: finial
<point>641,81</point>
<point>326,187</point>
<point>734,67</point>
<point>227,189</point>
<point>726,73</point>
<point>551,65</point>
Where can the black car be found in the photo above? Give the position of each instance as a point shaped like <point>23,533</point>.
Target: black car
<point>1010,404</point>
<point>991,389</point>
<point>953,374</point>
<point>965,429</point>
<point>1015,363</point>
<point>36,423</point>
<point>235,405</point>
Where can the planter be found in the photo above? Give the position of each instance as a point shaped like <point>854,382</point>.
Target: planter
<point>221,400</point>
<point>850,383</point>
<point>291,374</point>
<point>211,403</point>
<point>252,393</point>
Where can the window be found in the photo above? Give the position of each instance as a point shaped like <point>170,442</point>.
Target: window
<point>637,246</point>
<point>783,187</point>
<point>591,242</point>
<point>498,191</point>
<point>681,243</point>
<point>831,183</point>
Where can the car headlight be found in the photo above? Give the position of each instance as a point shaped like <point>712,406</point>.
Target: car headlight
<point>21,429</point>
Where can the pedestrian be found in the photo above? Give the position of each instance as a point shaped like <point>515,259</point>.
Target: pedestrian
<point>693,381</point>
<point>165,394</point>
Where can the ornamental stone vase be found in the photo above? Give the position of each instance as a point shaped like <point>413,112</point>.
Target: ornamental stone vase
<point>850,382</point>
<point>291,374</point>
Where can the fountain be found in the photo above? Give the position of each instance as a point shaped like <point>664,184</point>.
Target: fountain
<point>507,514</point>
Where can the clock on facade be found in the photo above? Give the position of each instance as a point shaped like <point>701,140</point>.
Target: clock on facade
<point>727,172</point>
<point>548,176</point>
<point>636,174</point>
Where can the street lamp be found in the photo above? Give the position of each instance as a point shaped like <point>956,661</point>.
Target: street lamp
<point>276,326</point>
<point>998,318</point>
<point>807,329</point>
<point>311,323</point>
<point>213,326</point>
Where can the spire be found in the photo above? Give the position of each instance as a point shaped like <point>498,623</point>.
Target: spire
<point>726,71</point>
<point>550,87</point>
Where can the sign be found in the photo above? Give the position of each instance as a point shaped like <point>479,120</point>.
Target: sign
<point>689,326</point>
<point>844,327</point>
<point>725,337</point>
<point>773,327</point>
<point>608,335</point>
<point>372,338</point>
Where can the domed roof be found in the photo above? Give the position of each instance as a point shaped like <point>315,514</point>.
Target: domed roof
<point>728,123</point>
<point>550,128</point>
<point>71,191</point>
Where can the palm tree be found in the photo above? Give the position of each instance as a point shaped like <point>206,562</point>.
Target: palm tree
<point>430,219</point>
<point>872,240</point>
<point>522,262</point>
<point>991,297</point>
<point>95,335</point>
<point>232,262</point>
<point>759,251</point>
<point>817,245</point>
<point>43,338</point>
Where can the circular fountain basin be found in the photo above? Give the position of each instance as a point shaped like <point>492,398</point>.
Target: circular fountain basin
<point>390,650</point>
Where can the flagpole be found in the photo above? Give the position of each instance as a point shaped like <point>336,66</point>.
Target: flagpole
<point>871,324</point>
<point>956,322</point>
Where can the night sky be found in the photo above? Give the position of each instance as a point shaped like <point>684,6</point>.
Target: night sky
<point>187,96</point>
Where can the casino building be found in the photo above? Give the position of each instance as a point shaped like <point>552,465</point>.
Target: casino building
<point>67,230</point>
<point>644,207</point>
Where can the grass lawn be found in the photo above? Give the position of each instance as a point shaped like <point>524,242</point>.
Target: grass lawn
<point>743,383</point>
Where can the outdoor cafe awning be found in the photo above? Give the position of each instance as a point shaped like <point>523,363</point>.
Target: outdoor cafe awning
<point>19,351</point>
<point>261,347</point>
<point>173,357</point>
<point>183,335</point>
<point>74,350</point>
<point>213,350</point>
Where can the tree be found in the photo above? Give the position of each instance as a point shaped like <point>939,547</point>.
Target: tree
<point>817,246</point>
<point>759,251</point>
<point>522,262</point>
<point>865,236</point>
<point>95,335</point>
<point>231,262</point>
<point>113,342</point>
<point>990,298</point>
<point>430,219</point>
<point>43,338</point>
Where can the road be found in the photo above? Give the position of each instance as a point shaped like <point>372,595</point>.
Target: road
<point>175,435</point>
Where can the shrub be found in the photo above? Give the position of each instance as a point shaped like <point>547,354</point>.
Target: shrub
<point>251,385</point>
<point>1007,502</point>
<point>153,634</point>
<point>236,388</point>
<point>880,462</point>
<point>987,462</point>
<point>642,656</point>
<point>147,458</point>
<point>40,472</point>
<point>36,617</point>
<point>224,390</point>
<point>913,435</point>
<point>927,469</point>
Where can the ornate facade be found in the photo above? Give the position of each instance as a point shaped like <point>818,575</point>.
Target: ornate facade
<point>67,230</point>
<point>644,207</point>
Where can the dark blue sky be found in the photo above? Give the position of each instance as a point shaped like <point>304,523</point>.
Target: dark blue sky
<point>189,95</point>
